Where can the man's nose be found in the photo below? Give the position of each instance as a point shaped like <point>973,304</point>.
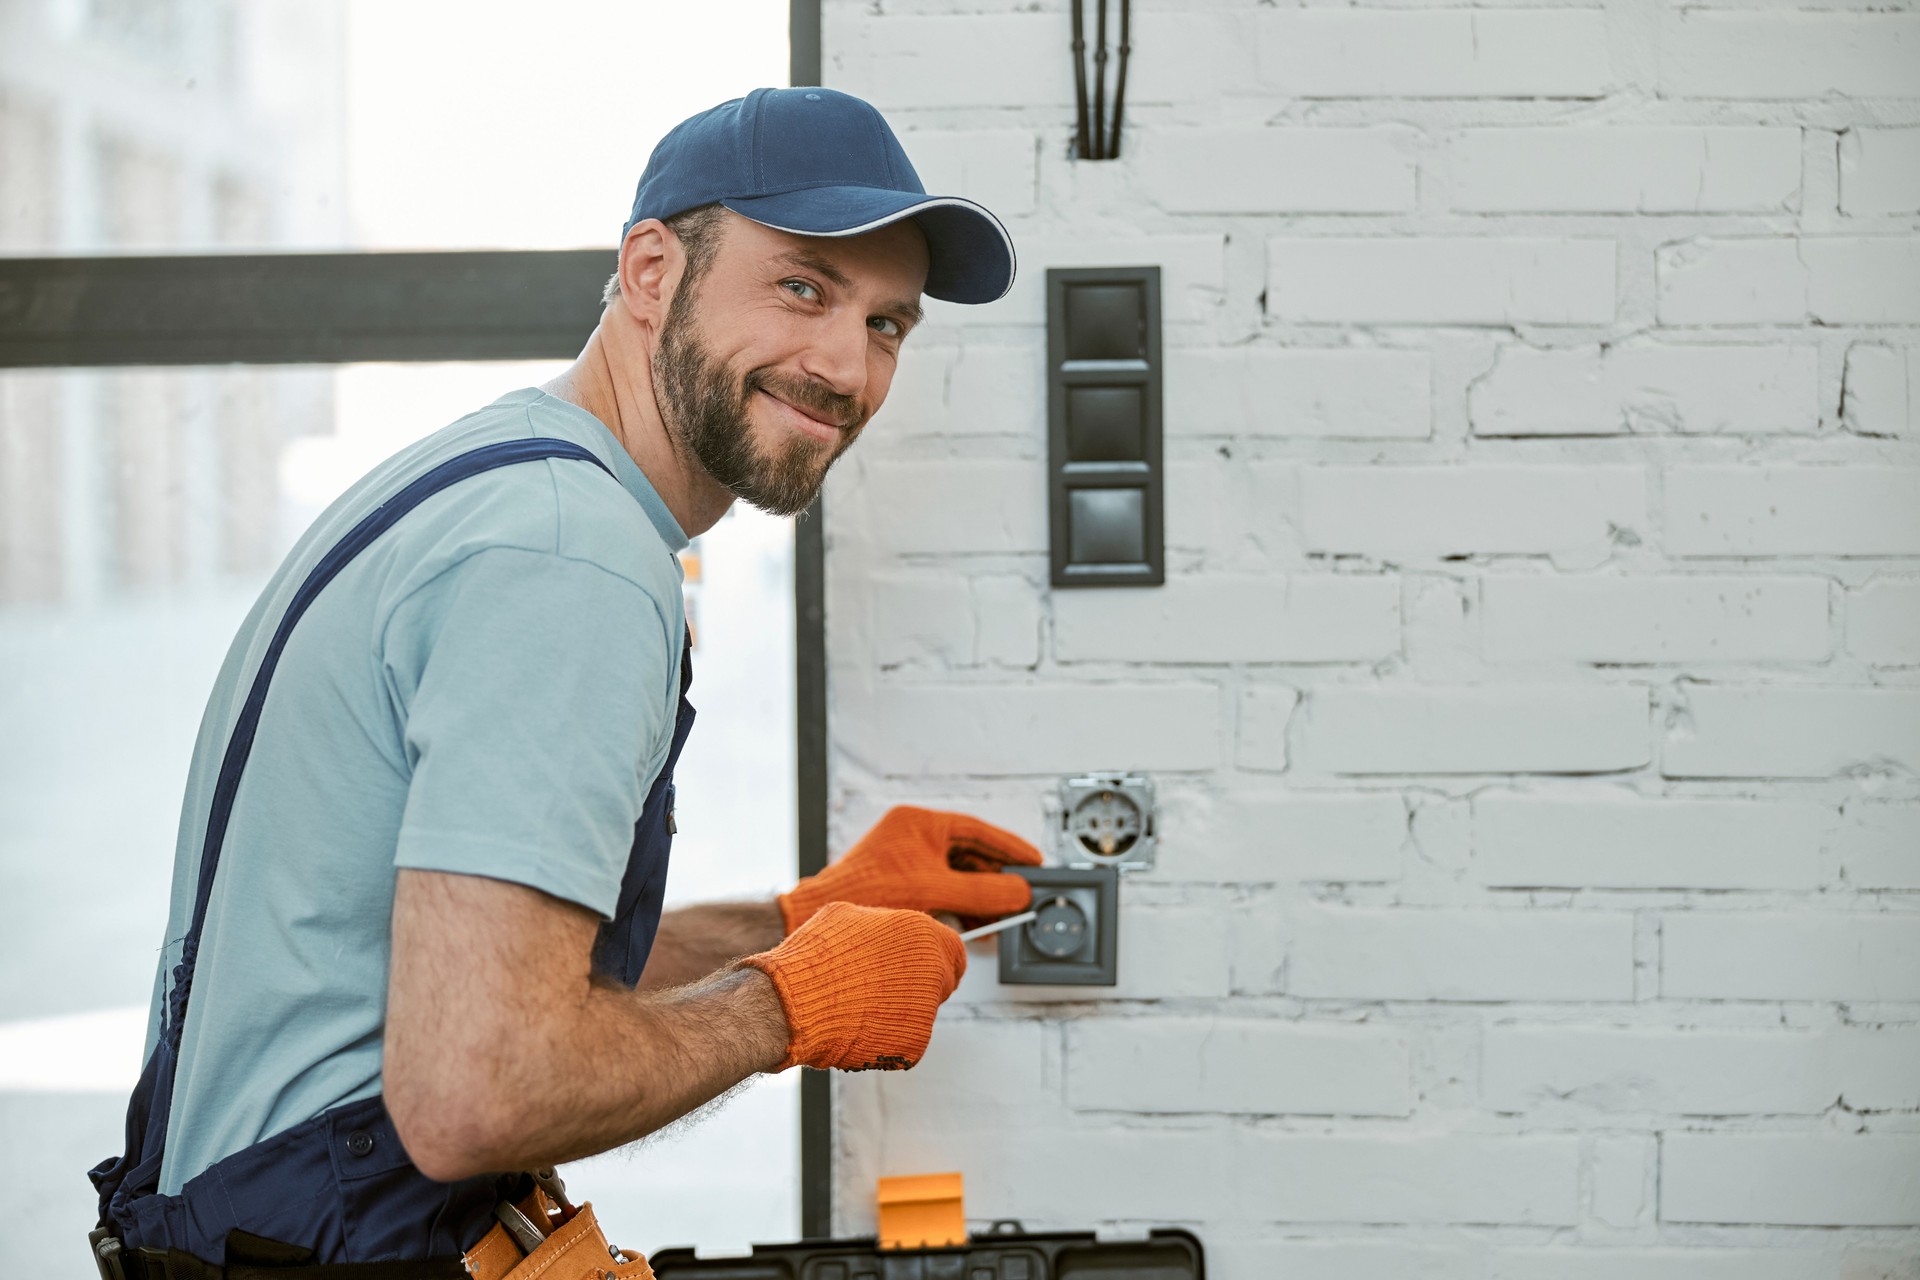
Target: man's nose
<point>837,357</point>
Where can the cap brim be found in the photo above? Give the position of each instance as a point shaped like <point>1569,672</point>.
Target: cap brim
<point>970,255</point>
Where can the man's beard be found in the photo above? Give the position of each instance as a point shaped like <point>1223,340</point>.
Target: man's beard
<point>706,407</point>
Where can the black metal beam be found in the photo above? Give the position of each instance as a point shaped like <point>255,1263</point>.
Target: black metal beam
<point>810,706</point>
<point>298,308</point>
<point>803,42</point>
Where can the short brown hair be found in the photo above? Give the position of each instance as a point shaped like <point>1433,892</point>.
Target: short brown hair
<point>698,231</point>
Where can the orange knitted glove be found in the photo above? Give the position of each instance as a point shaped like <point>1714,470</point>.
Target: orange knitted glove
<point>922,860</point>
<point>860,986</point>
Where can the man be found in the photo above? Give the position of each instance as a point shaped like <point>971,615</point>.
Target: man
<point>424,842</point>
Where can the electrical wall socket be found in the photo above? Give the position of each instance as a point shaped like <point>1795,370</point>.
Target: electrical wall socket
<point>1074,940</point>
<point>1108,820</point>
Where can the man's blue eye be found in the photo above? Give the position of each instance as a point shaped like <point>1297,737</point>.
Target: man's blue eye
<point>893,332</point>
<point>796,286</point>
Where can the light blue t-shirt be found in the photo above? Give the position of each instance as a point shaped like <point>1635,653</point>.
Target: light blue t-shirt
<point>489,688</point>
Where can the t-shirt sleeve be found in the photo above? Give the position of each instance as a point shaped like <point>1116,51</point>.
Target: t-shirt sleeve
<point>537,693</point>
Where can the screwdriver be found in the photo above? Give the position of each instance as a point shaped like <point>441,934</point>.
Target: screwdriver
<point>998,925</point>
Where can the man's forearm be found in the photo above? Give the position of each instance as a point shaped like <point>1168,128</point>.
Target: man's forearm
<point>503,1053</point>
<point>698,940</point>
<point>638,1065</point>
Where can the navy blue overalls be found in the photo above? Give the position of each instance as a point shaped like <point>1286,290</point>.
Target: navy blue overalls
<point>340,1187</point>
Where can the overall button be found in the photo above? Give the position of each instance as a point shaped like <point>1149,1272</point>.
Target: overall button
<point>360,1142</point>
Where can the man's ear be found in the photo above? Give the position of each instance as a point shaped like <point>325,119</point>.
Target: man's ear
<point>651,260</point>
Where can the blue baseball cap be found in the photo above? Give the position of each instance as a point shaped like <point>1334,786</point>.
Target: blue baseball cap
<point>816,162</point>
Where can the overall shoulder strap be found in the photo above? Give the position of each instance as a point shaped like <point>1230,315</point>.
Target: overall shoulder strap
<point>240,745</point>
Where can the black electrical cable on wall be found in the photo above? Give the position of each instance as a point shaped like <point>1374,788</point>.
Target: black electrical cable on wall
<point>1097,138</point>
<point>1081,147</point>
<point>1100,84</point>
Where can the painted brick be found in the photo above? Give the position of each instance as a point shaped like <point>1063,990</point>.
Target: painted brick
<point>1782,280</point>
<point>1404,279</point>
<point>1620,1176</point>
<point>1292,896</point>
<point>1265,714</point>
<point>1198,56</point>
<point>974,1067</point>
<point>1882,390</point>
<point>1340,1259</point>
<point>1708,1262</point>
<point>1717,53</point>
<point>1491,729</point>
<point>948,506</point>
<point>1461,955</point>
<point>1041,1174</point>
<point>1883,622</point>
<point>1576,169</point>
<point>1798,956</point>
<point>1232,513</point>
<point>1627,390</point>
<point>1237,1066</point>
<point>1339,393</point>
<point>1221,618</point>
<point>1275,170</point>
<point>941,622</point>
<point>1166,953</point>
<point>969,391</point>
<point>1667,619</point>
<point>1012,804</point>
<point>915,61</point>
<point>1789,1179</point>
<point>999,168</point>
<point>1408,1178</point>
<point>1793,732</point>
<point>1879,844</point>
<point>1435,53</point>
<point>1699,1072</point>
<point>1880,170</point>
<point>1617,840</point>
<point>1257,836</point>
<point>1004,730</point>
<point>1260,941</point>
<point>1485,509</point>
<point>1192,273</point>
<point>1793,511</point>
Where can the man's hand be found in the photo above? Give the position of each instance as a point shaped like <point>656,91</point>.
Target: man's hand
<point>860,986</point>
<point>922,860</point>
<point>503,1052</point>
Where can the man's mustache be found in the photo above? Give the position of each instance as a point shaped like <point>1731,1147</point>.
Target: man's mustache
<point>809,397</point>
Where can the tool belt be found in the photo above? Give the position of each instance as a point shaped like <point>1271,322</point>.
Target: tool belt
<point>570,1247</point>
<point>538,1237</point>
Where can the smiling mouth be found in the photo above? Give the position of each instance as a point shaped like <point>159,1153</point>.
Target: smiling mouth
<point>820,427</point>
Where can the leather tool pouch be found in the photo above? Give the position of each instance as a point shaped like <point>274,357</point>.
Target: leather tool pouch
<point>574,1249</point>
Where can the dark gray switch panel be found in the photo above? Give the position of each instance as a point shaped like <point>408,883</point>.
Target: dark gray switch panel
<point>1105,490</point>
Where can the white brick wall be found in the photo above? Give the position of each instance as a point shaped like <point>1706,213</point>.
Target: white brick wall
<point>1880,171</point>
<point>1534,696</point>
<point>1696,618</point>
<point>1882,390</point>
<point>1625,170</point>
<point>1434,280</point>
<point>1648,390</point>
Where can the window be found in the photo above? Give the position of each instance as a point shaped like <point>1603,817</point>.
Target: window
<point>141,508</point>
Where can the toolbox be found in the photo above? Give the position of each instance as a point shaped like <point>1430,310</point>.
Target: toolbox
<point>1004,1253</point>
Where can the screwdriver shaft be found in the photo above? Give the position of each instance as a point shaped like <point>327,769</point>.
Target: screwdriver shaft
<point>997,926</point>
